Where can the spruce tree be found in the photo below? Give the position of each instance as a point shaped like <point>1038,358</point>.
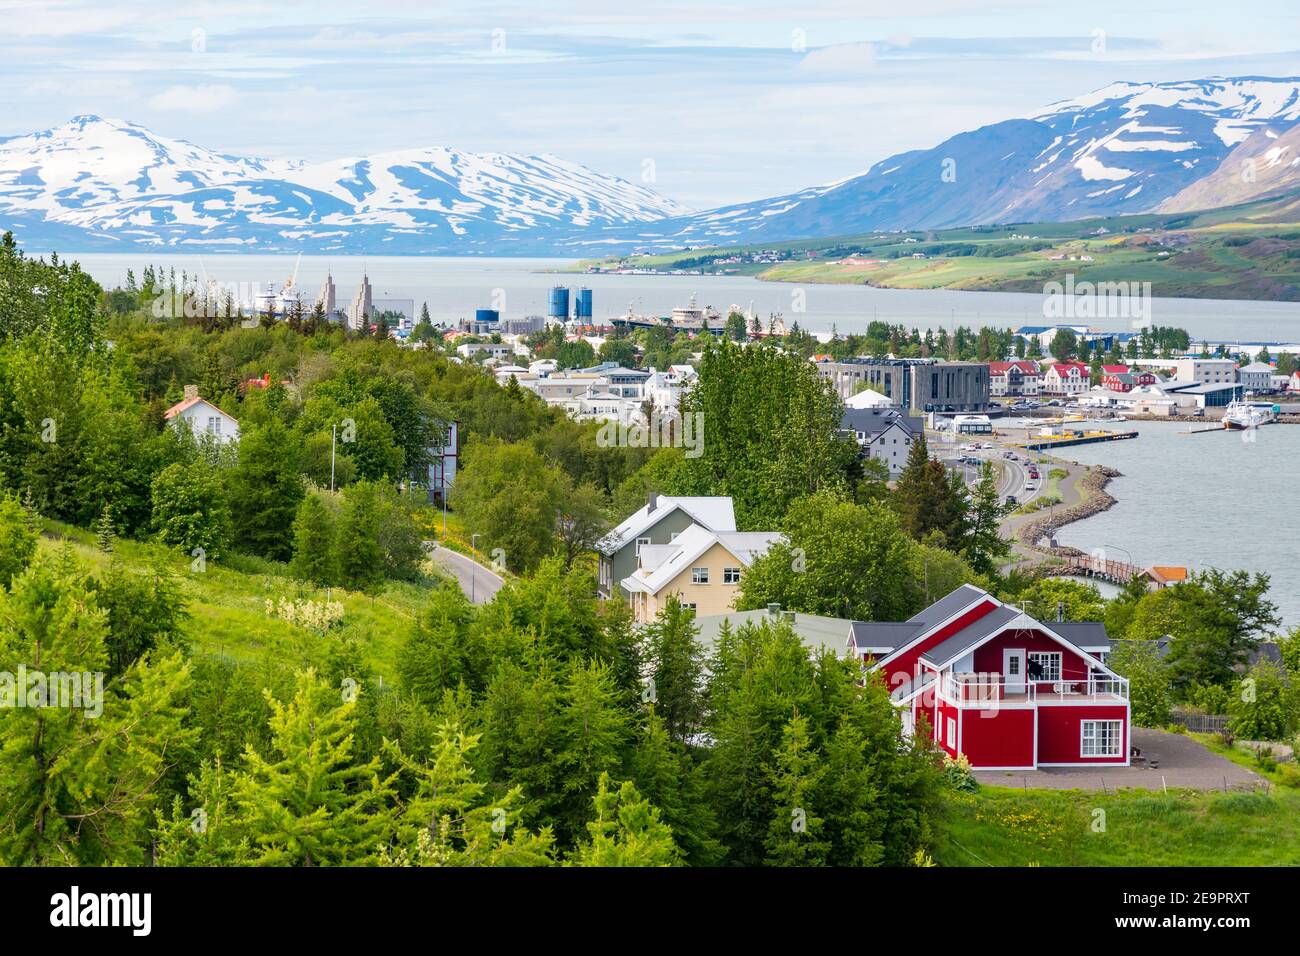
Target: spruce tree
<point>627,831</point>
<point>315,556</point>
<point>795,836</point>
<point>309,801</point>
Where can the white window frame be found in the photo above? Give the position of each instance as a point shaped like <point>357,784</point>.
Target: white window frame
<point>639,543</point>
<point>952,733</point>
<point>731,575</point>
<point>214,424</point>
<point>1096,738</point>
<point>699,575</point>
<point>1054,656</point>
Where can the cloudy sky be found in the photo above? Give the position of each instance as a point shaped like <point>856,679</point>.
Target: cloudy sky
<point>729,100</point>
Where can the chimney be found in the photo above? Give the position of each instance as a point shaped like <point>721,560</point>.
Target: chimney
<point>1060,611</point>
<point>652,502</point>
<point>191,391</point>
<point>774,610</point>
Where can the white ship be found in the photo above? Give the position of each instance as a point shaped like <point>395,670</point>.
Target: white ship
<point>1249,414</point>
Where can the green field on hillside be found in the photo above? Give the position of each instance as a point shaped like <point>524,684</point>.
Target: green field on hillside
<point>1251,251</point>
<point>1009,827</point>
<point>226,604</point>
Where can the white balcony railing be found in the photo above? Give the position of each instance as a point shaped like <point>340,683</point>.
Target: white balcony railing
<point>989,687</point>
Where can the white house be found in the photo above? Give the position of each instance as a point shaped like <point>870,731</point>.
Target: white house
<point>1066,378</point>
<point>202,417</point>
<point>1257,377</point>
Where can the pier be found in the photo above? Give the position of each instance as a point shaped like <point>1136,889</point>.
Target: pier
<point>1044,442</point>
<point>1116,572</point>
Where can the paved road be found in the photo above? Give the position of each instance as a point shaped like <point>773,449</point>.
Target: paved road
<point>479,584</point>
<point>1183,762</point>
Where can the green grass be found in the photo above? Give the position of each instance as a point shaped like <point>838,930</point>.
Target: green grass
<point>227,604</point>
<point>1008,827</point>
<point>1283,774</point>
<point>1199,262</point>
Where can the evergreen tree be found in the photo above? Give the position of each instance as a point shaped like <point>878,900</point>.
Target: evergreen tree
<point>627,831</point>
<point>315,554</point>
<point>105,532</point>
<point>664,771</point>
<point>984,545</point>
<point>309,801</point>
<point>18,537</point>
<point>361,557</point>
<point>79,751</point>
<point>268,488</point>
<point>593,729</point>
<point>927,499</point>
<point>794,837</point>
<point>676,662</point>
<point>449,819</point>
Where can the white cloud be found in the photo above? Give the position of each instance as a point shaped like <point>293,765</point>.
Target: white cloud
<point>206,98</point>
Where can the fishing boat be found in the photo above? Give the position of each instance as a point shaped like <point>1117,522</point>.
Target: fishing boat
<point>1242,415</point>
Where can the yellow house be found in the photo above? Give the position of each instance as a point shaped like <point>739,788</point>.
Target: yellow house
<point>700,566</point>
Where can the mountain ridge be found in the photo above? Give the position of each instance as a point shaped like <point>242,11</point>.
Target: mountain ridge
<point>1124,148</point>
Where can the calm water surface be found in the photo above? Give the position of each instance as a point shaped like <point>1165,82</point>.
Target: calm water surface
<point>454,288</point>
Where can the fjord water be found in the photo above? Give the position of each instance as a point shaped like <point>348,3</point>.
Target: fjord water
<point>1217,500</point>
<point>455,287</point>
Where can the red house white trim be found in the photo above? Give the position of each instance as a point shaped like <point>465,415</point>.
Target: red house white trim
<point>1000,687</point>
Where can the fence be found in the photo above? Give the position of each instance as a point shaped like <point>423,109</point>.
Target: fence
<point>1201,723</point>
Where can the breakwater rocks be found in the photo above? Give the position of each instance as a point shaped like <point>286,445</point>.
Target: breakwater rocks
<point>1096,499</point>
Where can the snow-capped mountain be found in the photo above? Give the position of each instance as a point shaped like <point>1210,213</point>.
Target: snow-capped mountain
<point>116,184</point>
<point>1128,147</point>
<point>1121,149</point>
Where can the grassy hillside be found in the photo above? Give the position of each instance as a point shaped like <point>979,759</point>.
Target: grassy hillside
<point>1008,827</point>
<point>1249,251</point>
<point>227,604</point>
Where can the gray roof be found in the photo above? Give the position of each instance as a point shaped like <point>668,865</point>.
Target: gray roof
<point>1089,635</point>
<point>971,634</point>
<point>947,606</point>
<point>814,630</point>
<point>873,421</point>
<point>890,635</point>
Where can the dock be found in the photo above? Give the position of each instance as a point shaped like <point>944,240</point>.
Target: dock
<point>1044,442</point>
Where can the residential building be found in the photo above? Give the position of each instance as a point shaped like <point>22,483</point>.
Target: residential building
<point>659,521</point>
<point>1019,379</point>
<point>867,398</point>
<point>1205,371</point>
<point>1256,377</point>
<point>885,434</point>
<point>203,418</point>
<point>1008,692</point>
<point>663,390</point>
<point>1066,378</point>
<point>443,462</point>
<point>496,350</point>
<point>701,568</point>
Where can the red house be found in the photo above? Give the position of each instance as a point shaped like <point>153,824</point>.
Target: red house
<point>1006,690</point>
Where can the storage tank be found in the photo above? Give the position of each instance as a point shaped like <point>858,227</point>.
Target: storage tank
<point>584,304</point>
<point>487,315</point>
<point>559,303</point>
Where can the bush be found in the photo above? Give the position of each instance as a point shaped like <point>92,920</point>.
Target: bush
<point>190,509</point>
<point>957,774</point>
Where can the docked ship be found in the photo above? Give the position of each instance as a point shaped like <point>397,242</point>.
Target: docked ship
<point>1242,415</point>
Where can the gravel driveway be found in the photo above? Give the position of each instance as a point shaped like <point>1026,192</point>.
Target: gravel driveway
<point>1183,762</point>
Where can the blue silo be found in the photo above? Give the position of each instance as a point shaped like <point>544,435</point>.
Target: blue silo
<point>559,303</point>
<point>584,304</point>
<point>487,315</point>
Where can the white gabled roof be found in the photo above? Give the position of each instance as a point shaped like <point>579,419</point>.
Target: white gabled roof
<point>661,563</point>
<point>712,513</point>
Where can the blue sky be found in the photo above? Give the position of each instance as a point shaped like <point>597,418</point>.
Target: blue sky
<point>731,100</point>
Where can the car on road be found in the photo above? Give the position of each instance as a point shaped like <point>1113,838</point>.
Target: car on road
<point>969,460</point>
<point>1031,486</point>
<point>1009,455</point>
<point>1012,500</point>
